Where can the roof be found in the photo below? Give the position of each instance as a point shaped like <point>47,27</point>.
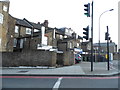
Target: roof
<point>24,22</point>
<point>57,31</point>
<point>36,26</point>
<point>60,31</point>
<point>79,37</point>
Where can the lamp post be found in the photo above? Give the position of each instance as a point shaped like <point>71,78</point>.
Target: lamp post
<point>99,27</point>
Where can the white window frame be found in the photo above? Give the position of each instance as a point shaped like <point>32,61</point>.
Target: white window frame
<point>16,29</point>
<point>36,30</point>
<point>70,44</point>
<point>5,8</point>
<point>1,18</point>
<point>61,37</point>
<point>65,36</point>
<point>28,31</point>
<point>78,44</point>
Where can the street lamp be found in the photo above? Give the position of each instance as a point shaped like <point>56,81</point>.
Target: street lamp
<point>99,26</point>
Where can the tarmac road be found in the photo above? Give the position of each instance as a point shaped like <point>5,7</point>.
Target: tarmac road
<point>53,83</point>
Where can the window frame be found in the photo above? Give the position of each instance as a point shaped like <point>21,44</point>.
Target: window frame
<point>28,29</point>
<point>1,18</point>
<point>16,29</point>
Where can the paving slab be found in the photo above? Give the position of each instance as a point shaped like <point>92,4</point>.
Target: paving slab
<point>80,69</point>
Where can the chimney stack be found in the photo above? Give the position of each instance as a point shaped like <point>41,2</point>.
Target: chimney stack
<point>46,23</point>
<point>38,22</point>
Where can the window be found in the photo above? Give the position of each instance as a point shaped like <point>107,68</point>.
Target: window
<point>65,36</point>
<point>25,39</point>
<point>1,18</point>
<point>66,30</point>
<point>77,44</point>
<point>61,37</point>
<point>5,8</point>
<point>71,31</point>
<point>28,31</point>
<point>36,30</point>
<point>21,43</point>
<point>16,29</point>
<point>15,42</point>
<point>70,44</point>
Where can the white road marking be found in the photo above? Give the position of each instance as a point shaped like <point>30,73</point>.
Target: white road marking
<point>57,84</point>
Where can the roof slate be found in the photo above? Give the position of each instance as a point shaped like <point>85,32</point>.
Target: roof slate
<point>36,26</point>
<point>28,24</point>
<point>22,23</point>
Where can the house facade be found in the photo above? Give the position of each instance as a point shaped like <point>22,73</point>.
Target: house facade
<point>24,43</point>
<point>27,35</point>
<point>6,28</point>
<point>86,50</point>
<point>86,46</point>
<point>103,47</point>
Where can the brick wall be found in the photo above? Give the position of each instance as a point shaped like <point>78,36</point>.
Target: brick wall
<point>4,27</point>
<point>116,56</point>
<point>10,34</point>
<point>60,59</point>
<point>68,58</point>
<point>29,58</point>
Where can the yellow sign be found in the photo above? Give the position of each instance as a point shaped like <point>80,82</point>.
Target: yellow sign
<point>106,56</point>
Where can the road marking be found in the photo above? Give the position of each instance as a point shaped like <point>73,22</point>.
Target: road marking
<point>57,84</point>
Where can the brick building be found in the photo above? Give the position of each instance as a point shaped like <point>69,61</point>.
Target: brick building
<point>24,43</point>
<point>103,47</point>
<point>27,35</point>
<point>6,28</point>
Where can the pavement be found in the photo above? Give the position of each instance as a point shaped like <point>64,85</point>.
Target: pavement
<point>80,69</point>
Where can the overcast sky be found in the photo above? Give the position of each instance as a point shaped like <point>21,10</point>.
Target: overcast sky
<point>69,13</point>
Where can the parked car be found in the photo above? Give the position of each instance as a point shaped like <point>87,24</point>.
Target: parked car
<point>78,58</point>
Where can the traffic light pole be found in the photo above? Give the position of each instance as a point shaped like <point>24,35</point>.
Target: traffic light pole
<point>87,13</point>
<point>92,39</point>
<point>108,48</point>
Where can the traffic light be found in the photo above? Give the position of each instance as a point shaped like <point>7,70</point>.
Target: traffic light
<point>87,9</point>
<point>86,33</point>
<point>106,36</point>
